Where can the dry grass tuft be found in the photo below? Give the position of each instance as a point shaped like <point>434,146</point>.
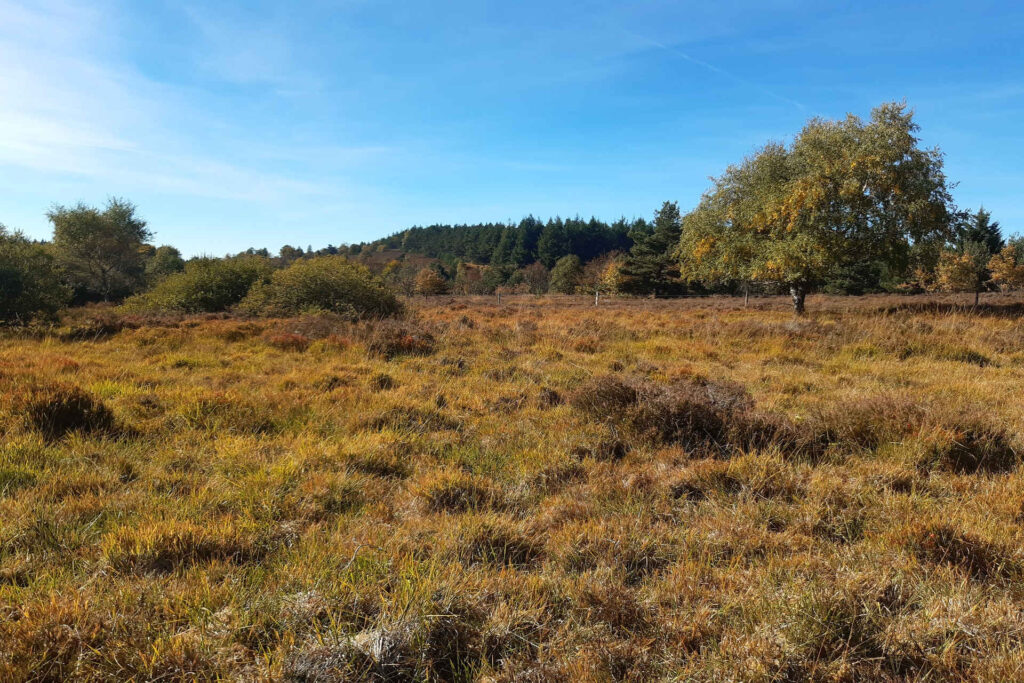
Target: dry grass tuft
<point>55,410</point>
<point>458,492</point>
<point>970,445</point>
<point>288,341</point>
<point>162,548</point>
<point>941,543</point>
<point>498,545</point>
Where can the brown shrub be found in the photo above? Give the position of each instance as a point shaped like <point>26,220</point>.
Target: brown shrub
<point>238,332</point>
<point>93,327</point>
<point>58,409</point>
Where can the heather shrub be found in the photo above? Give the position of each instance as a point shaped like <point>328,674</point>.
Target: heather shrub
<point>328,283</point>
<point>206,285</point>
<point>389,339</point>
<point>690,413</point>
<point>93,325</point>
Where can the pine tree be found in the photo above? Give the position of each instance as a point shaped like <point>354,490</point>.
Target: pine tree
<point>979,227</point>
<point>525,250</point>
<point>650,267</point>
<point>553,243</point>
<point>502,253</point>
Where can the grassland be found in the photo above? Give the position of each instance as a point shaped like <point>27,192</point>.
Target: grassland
<point>538,491</point>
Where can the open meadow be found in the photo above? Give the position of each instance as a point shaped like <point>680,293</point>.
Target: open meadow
<point>541,490</point>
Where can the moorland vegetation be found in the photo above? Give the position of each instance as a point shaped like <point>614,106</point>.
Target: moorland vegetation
<point>538,490</point>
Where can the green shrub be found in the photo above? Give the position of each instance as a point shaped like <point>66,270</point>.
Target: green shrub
<point>328,283</point>
<point>565,276</point>
<point>29,284</point>
<point>207,285</point>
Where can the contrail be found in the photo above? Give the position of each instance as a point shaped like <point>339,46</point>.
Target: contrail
<point>711,67</point>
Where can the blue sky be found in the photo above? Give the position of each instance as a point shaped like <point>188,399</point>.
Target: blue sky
<point>263,123</point>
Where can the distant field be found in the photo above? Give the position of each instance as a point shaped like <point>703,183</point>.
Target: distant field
<point>543,490</point>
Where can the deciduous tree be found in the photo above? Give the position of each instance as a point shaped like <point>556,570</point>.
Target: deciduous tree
<point>964,269</point>
<point>565,276</point>
<point>843,190</point>
<point>30,285</point>
<point>102,252</point>
<point>1007,267</point>
<point>429,282</point>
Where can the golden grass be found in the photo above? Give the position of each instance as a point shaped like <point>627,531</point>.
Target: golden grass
<point>538,491</point>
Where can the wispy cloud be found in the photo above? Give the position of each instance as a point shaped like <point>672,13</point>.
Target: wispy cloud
<point>71,109</point>
<point>244,50</point>
<point>718,70</point>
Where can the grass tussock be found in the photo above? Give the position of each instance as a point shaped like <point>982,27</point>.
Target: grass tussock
<point>944,544</point>
<point>968,446</point>
<point>56,410</point>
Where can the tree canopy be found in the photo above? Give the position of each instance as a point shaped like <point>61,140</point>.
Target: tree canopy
<point>651,266</point>
<point>101,251</point>
<point>842,191</point>
<point>30,285</point>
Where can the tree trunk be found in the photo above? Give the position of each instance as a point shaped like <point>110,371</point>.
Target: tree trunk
<point>977,294</point>
<point>799,294</point>
<point>597,296</point>
<point>746,294</point>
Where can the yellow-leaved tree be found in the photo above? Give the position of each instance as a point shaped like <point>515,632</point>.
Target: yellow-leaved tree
<point>963,270</point>
<point>1007,267</point>
<point>842,191</point>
